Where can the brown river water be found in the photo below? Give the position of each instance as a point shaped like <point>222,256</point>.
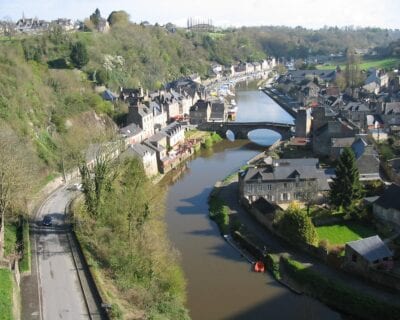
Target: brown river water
<point>221,284</point>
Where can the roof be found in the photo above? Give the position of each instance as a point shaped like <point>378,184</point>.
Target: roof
<point>371,249</point>
<point>289,169</point>
<point>130,130</point>
<point>342,142</point>
<point>139,150</point>
<point>390,198</point>
<point>356,106</point>
<point>201,105</point>
<point>392,108</point>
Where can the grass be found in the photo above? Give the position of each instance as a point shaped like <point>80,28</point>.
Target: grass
<point>10,238</point>
<point>6,292</point>
<point>345,232</point>
<point>387,63</point>
<point>25,263</point>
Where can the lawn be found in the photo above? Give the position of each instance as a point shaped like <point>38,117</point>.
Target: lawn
<point>6,291</point>
<point>344,232</point>
<point>388,63</point>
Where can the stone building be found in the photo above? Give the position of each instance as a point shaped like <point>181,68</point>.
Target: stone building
<point>282,181</point>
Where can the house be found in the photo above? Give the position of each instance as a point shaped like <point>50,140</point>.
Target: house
<point>174,133</point>
<point>282,181</point>
<point>131,134</point>
<point>219,111</point>
<point>142,116</point>
<point>103,26</point>
<point>387,207</point>
<point>375,81</point>
<point>200,112</point>
<point>371,252</point>
<point>356,112</point>
<point>337,128</point>
<point>65,24</point>
<point>159,115</point>
<point>147,157</point>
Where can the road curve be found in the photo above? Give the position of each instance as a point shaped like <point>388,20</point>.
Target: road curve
<point>60,293</point>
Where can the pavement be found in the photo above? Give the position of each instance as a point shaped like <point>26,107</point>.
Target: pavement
<point>57,287</point>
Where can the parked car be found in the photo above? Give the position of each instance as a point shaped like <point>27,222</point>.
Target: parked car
<point>47,221</point>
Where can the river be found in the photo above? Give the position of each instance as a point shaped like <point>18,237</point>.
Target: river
<point>221,284</point>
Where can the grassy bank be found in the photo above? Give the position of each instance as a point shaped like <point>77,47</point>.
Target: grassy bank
<point>337,295</point>
<point>6,294</point>
<point>25,262</point>
<point>219,212</point>
<point>125,243</point>
<point>210,140</point>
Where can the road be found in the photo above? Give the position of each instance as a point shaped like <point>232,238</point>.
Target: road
<point>57,273</point>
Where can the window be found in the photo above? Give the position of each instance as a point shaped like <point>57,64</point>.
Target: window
<point>285,196</point>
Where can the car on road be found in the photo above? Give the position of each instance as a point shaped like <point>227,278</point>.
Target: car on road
<point>47,221</point>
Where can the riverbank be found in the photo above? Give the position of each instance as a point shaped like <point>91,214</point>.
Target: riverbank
<point>284,101</point>
<point>301,272</point>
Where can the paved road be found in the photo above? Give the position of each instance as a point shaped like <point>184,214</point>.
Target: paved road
<point>53,291</point>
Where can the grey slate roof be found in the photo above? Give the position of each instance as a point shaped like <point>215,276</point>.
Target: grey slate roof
<point>392,108</point>
<point>289,169</point>
<point>371,249</point>
<point>130,130</point>
<point>390,198</point>
<point>139,150</point>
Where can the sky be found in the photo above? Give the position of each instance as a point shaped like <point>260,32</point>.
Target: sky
<point>306,13</point>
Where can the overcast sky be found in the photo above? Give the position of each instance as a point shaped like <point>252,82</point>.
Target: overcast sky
<point>306,13</point>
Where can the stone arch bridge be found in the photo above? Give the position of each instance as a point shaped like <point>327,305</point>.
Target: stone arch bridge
<point>242,129</point>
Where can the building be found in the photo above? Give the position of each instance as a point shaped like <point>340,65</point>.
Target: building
<point>303,123</point>
<point>142,116</point>
<point>200,112</point>
<point>371,252</point>
<point>219,111</point>
<point>387,207</point>
<point>131,134</point>
<point>174,133</point>
<point>367,158</point>
<point>282,181</point>
<point>147,157</point>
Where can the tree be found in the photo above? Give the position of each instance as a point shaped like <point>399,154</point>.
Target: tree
<point>297,226</point>
<point>79,55</point>
<point>15,176</point>
<point>352,73</point>
<point>97,181</point>
<point>118,18</point>
<point>346,186</point>
<point>95,17</point>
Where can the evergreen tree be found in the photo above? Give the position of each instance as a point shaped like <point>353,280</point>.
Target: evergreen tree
<point>95,17</point>
<point>346,186</point>
<point>79,55</point>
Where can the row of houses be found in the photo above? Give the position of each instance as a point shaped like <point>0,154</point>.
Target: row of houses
<point>243,68</point>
